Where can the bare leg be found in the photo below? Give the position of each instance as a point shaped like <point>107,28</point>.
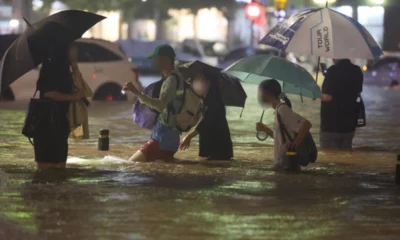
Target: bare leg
<point>44,165</point>
<point>138,157</point>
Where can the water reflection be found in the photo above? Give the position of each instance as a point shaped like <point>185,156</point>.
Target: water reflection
<point>103,196</point>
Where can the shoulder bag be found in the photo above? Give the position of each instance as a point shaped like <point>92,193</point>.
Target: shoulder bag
<point>307,151</point>
<point>40,114</point>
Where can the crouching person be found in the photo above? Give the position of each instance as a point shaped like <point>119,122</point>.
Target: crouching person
<point>290,130</point>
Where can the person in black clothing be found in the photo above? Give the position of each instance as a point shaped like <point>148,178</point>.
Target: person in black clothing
<point>55,82</point>
<point>341,88</point>
<point>215,139</point>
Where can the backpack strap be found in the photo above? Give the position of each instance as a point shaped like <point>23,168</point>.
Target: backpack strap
<point>283,129</point>
<point>178,84</point>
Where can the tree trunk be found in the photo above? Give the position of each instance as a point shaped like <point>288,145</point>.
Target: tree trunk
<point>157,20</point>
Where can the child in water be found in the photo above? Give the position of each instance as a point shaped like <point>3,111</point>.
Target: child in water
<point>270,94</point>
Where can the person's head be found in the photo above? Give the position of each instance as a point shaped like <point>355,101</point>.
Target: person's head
<point>163,57</point>
<point>73,53</point>
<point>201,84</point>
<point>270,92</point>
<point>336,60</point>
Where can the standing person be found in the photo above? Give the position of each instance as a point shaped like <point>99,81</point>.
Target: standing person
<point>78,111</point>
<point>215,139</point>
<point>270,93</point>
<point>165,137</point>
<point>341,88</point>
<point>55,82</point>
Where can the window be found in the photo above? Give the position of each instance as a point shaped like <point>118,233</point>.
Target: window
<point>189,46</point>
<point>236,54</point>
<point>90,52</point>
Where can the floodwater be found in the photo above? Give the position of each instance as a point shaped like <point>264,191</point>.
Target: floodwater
<point>345,195</point>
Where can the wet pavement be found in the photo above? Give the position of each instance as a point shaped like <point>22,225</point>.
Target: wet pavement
<point>103,196</point>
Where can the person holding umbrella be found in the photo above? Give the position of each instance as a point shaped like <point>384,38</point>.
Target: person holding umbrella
<point>47,42</point>
<point>270,93</point>
<point>341,88</point>
<point>55,82</point>
<point>215,140</point>
<point>291,131</point>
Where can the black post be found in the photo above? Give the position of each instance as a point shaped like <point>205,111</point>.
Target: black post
<point>398,170</point>
<point>157,19</point>
<point>319,62</point>
<point>252,33</point>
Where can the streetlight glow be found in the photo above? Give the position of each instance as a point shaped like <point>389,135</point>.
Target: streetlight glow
<point>253,11</point>
<point>14,23</point>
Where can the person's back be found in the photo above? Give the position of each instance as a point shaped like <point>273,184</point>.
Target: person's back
<point>342,85</point>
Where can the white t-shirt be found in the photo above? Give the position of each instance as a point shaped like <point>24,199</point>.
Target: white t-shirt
<point>292,122</point>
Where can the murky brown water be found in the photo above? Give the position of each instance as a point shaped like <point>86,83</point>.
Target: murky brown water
<point>102,196</point>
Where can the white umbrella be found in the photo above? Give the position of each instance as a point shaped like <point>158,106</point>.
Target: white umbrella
<point>325,33</point>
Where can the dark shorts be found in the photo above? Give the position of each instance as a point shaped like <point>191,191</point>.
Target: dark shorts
<point>52,145</point>
<point>152,152</point>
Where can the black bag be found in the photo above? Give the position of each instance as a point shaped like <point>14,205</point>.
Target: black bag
<point>361,119</point>
<point>307,151</point>
<point>40,114</point>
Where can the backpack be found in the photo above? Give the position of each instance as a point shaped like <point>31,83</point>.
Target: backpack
<point>307,151</point>
<point>142,114</point>
<point>186,106</point>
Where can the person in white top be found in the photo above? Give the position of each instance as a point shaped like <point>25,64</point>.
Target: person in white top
<point>270,94</point>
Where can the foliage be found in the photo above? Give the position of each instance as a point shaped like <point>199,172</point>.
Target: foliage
<point>140,9</point>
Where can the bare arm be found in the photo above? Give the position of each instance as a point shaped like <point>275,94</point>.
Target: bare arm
<point>270,133</point>
<point>303,131</point>
<point>192,134</point>
<point>263,128</point>
<point>58,96</point>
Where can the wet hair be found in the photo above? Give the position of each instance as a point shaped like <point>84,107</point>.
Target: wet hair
<point>273,88</point>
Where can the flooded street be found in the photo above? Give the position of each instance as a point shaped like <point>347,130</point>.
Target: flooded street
<point>103,196</point>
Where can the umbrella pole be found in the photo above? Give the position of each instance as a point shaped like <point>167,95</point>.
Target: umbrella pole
<point>27,22</point>
<point>319,62</point>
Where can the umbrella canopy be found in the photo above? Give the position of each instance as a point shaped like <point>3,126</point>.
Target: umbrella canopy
<point>293,78</point>
<point>36,43</point>
<point>232,92</point>
<point>323,32</point>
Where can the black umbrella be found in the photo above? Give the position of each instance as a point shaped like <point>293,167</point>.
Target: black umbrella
<point>35,44</point>
<point>232,91</point>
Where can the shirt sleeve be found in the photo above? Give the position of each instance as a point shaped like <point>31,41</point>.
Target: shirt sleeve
<point>167,93</point>
<point>328,87</point>
<point>290,119</point>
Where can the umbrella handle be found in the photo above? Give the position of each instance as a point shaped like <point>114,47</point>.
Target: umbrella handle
<point>258,134</point>
<point>261,138</point>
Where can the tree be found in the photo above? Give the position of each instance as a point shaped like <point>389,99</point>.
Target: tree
<point>139,9</point>
<point>154,9</point>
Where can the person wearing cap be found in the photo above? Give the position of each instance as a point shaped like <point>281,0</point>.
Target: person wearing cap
<point>165,137</point>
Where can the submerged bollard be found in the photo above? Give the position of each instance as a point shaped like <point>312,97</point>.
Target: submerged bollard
<point>292,159</point>
<point>104,140</point>
<point>398,170</point>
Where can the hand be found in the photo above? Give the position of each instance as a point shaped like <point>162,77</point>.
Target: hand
<point>326,98</point>
<point>261,127</point>
<point>130,87</point>
<point>294,144</point>
<point>136,78</point>
<point>78,95</point>
<point>185,143</point>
